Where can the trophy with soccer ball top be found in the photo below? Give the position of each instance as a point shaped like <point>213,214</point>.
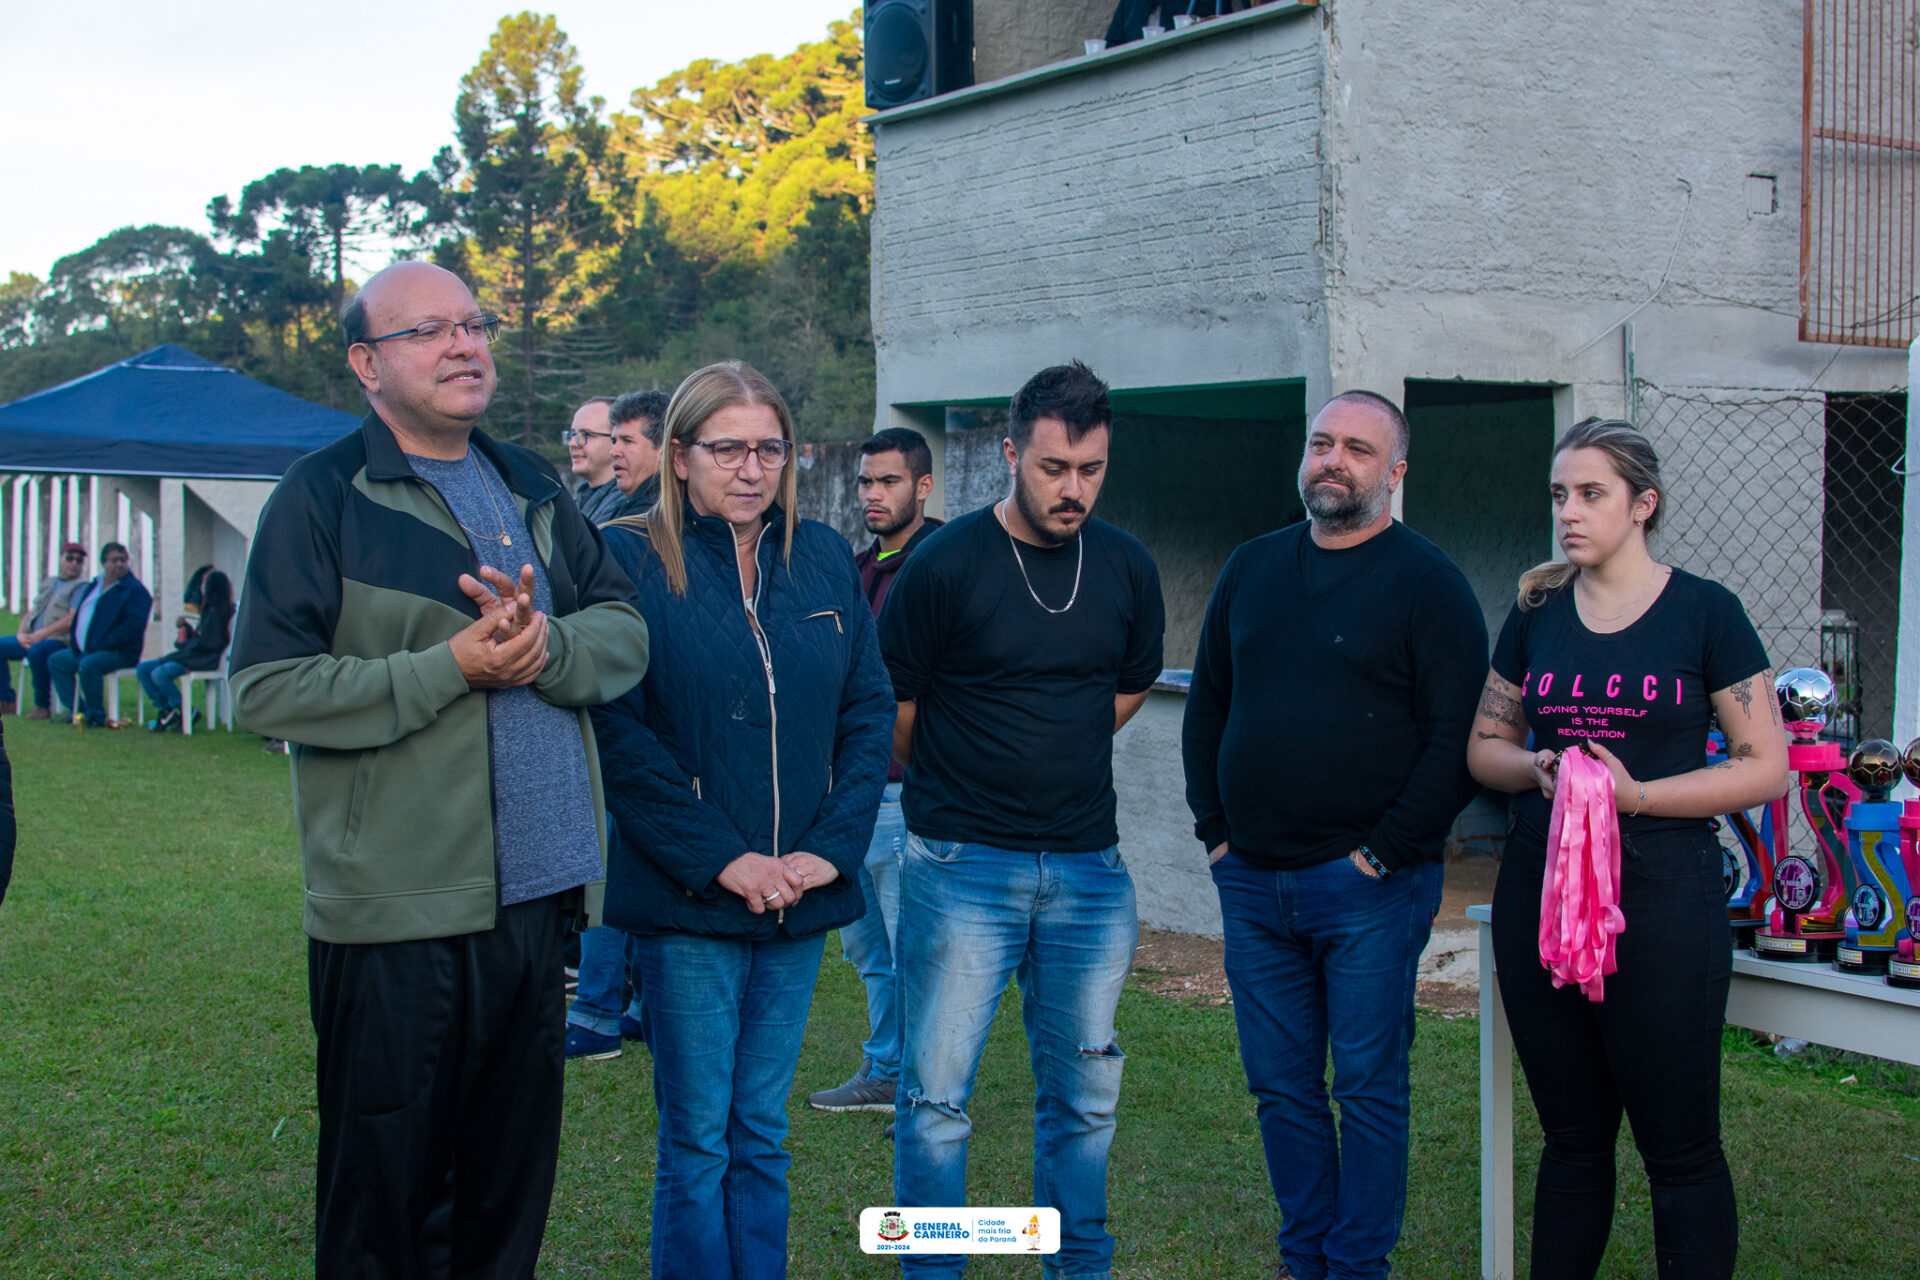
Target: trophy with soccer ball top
<point>1804,912</point>
<point>1877,894</point>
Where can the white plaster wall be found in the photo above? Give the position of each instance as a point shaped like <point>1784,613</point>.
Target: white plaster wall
<point>1504,186</point>
<point>1169,865</point>
<point>1155,217</point>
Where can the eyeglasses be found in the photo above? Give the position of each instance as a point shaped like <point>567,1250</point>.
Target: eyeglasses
<point>732,454</point>
<point>75,555</point>
<point>484,327</point>
<point>571,433</point>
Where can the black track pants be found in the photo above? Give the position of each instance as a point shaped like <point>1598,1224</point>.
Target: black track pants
<point>440,1073</point>
<point>1651,1049</point>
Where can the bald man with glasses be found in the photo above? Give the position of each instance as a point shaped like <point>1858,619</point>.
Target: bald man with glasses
<point>589,444</point>
<point>427,618</point>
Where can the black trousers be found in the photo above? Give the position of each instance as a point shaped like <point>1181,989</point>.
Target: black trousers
<point>1650,1049</point>
<point>441,1066</point>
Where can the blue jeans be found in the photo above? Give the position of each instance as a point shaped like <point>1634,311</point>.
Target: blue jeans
<point>601,994</point>
<point>724,1018</point>
<point>91,671</point>
<point>1317,957</point>
<point>972,916</point>
<point>868,941</point>
<point>157,676</point>
<point>35,656</point>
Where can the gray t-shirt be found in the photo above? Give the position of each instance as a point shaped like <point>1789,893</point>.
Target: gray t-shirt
<point>543,829</point>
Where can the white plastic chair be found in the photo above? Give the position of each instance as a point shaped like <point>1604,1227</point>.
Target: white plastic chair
<point>219,696</point>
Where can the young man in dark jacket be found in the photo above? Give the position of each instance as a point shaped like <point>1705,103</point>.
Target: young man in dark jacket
<point>447,789</point>
<point>896,475</point>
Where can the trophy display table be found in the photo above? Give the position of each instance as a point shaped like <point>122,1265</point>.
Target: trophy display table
<point>1856,1012</point>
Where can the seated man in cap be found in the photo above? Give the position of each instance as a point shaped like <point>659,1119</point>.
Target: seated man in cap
<point>43,633</point>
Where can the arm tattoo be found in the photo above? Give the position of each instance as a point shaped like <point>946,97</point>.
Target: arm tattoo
<point>1742,693</point>
<point>1488,735</point>
<point>1502,709</point>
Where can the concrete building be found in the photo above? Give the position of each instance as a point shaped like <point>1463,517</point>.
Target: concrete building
<point>1507,217</point>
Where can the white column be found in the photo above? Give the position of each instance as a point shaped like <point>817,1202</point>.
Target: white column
<point>1906,666</point>
<point>93,522</point>
<point>123,521</point>
<point>28,578</point>
<point>146,549</point>
<point>56,499</point>
<point>13,546</point>
<point>73,508</point>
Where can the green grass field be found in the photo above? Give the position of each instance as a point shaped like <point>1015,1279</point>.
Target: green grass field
<point>156,1111</point>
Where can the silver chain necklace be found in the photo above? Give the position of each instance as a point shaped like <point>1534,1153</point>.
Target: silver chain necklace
<point>1080,561</point>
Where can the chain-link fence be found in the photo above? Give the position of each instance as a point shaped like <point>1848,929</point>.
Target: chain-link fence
<point>1793,500</point>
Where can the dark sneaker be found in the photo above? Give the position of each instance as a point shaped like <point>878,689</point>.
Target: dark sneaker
<point>39,713</point>
<point>862,1093</point>
<point>630,1030</point>
<point>583,1042</point>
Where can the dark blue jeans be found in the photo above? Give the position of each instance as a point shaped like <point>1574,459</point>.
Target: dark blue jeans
<point>92,670</point>
<point>157,677</point>
<point>601,996</point>
<point>35,656</point>
<point>1322,958</point>
<point>1651,1049</point>
<point>724,1019</point>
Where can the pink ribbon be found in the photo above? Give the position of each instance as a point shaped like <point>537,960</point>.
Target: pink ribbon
<point>1580,896</point>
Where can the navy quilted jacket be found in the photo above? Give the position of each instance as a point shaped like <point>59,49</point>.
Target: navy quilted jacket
<point>710,756</point>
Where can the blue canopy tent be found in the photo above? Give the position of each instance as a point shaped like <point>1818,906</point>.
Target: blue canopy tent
<point>165,451</point>
<point>165,412</point>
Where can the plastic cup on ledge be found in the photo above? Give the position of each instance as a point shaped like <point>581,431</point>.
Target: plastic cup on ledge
<point>1096,45</point>
<point>1153,32</point>
<point>1181,21</point>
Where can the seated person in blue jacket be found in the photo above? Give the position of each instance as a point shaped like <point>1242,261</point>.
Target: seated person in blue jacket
<point>110,615</point>
<point>201,651</point>
<point>743,775</point>
<point>44,633</point>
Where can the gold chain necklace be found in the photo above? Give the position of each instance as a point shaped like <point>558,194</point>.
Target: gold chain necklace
<point>503,537</point>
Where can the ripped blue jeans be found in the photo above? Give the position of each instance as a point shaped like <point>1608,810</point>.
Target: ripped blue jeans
<point>971,917</point>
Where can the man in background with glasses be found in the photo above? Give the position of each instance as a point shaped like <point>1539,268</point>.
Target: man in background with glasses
<point>447,790</point>
<point>43,634</point>
<point>589,444</point>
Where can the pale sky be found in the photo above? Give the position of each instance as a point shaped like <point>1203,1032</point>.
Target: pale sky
<point>119,114</point>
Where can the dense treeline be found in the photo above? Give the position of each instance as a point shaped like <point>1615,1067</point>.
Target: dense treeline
<point>724,213</point>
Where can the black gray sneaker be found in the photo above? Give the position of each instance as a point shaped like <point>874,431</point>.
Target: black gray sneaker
<point>861,1093</point>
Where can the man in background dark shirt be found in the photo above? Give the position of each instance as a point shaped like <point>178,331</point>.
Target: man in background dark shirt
<point>1325,747</point>
<point>896,477</point>
<point>1020,638</point>
<point>637,419</point>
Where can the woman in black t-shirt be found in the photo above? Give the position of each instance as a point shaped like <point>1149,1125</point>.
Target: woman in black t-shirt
<point>1636,658</point>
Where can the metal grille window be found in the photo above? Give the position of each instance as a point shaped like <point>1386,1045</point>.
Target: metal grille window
<point>1860,173</point>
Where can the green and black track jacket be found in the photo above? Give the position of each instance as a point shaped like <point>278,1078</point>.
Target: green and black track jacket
<point>352,592</point>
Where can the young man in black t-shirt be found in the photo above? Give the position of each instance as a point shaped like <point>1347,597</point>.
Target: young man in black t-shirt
<point>1325,747</point>
<point>1020,638</point>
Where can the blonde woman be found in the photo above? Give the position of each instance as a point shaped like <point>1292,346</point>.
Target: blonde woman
<point>743,776</point>
<point>1636,658</point>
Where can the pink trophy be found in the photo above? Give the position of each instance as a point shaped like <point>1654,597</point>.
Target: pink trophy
<point>1806,914</point>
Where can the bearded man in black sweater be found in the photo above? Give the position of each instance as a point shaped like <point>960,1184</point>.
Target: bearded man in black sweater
<point>1325,748</point>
